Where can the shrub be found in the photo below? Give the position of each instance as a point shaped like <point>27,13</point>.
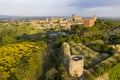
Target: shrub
<point>90,77</point>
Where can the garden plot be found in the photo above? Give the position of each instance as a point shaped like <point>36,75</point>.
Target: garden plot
<point>91,57</point>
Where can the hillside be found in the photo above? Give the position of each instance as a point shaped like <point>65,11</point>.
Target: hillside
<point>30,53</point>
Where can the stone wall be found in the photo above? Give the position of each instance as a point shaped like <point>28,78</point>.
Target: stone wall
<point>88,22</point>
<point>66,49</point>
<point>103,77</point>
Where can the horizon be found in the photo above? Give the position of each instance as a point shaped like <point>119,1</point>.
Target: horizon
<point>17,16</point>
<point>101,8</point>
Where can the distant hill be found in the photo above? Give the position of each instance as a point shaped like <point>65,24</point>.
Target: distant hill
<point>111,18</point>
<point>6,17</point>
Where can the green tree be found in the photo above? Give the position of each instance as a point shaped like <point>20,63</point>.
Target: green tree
<point>8,40</point>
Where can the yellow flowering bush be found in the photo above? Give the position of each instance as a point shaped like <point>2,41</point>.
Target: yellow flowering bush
<point>13,56</point>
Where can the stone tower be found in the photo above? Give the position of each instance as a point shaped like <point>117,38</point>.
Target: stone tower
<point>94,17</point>
<point>76,63</point>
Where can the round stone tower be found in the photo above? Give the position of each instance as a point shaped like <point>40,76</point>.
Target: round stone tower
<point>76,63</point>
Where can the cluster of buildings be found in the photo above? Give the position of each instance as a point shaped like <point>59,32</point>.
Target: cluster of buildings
<point>57,23</point>
<point>63,23</point>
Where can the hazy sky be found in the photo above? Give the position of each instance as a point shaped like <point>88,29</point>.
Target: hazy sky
<point>60,7</point>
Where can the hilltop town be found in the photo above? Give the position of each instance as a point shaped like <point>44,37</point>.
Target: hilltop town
<point>65,23</point>
<point>55,23</point>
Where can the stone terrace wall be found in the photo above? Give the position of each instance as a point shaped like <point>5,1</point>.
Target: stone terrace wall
<point>66,49</point>
<point>103,77</point>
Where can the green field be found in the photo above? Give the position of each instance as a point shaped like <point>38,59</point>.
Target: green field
<point>114,73</point>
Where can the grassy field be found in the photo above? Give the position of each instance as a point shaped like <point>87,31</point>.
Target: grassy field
<point>114,73</point>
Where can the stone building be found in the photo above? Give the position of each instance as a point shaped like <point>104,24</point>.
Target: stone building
<point>54,20</point>
<point>61,19</point>
<point>88,22</point>
<point>75,17</point>
<point>76,63</point>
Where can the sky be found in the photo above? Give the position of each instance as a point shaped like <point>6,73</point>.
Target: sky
<point>107,8</point>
